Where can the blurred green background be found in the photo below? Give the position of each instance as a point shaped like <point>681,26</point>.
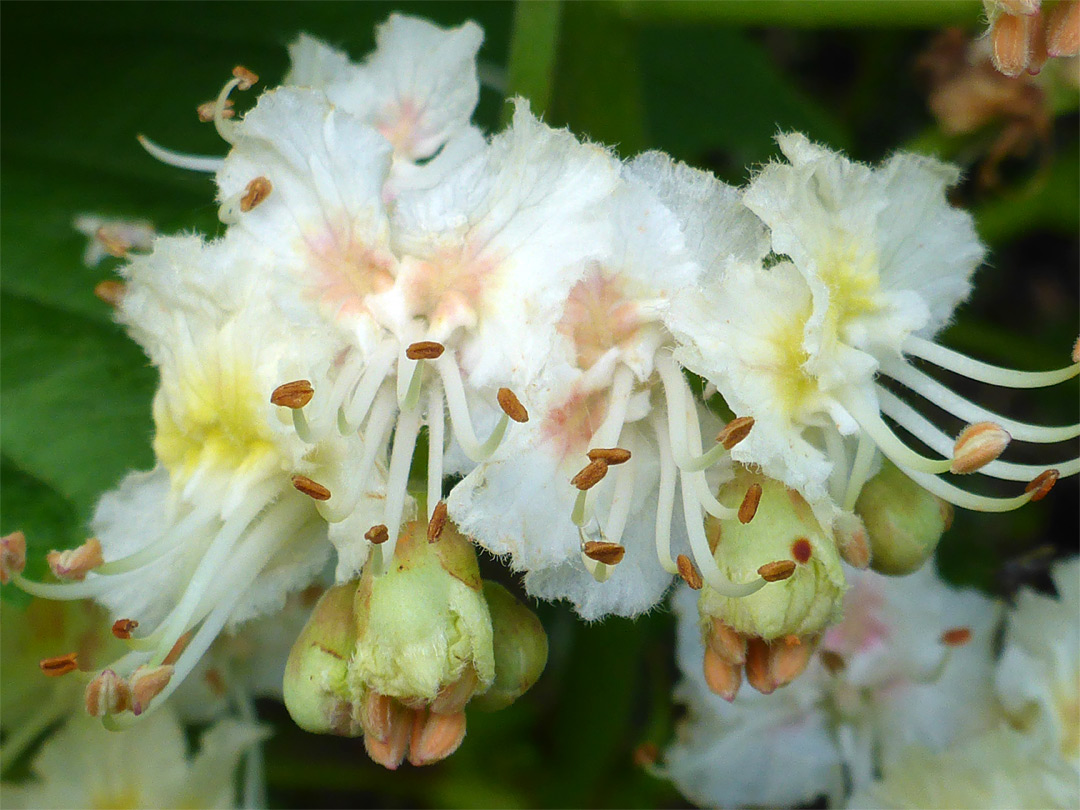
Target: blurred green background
<point>709,82</point>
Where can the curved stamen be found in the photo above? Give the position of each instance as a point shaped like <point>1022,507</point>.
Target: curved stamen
<point>962,498</point>
<point>436,421</point>
<point>955,404</point>
<point>460,420</point>
<point>675,390</point>
<point>985,372</point>
<point>375,373</point>
<point>874,426</point>
<point>665,498</point>
<point>397,484</point>
<point>410,375</point>
<point>195,163</point>
<point>837,453</point>
<point>860,471</point>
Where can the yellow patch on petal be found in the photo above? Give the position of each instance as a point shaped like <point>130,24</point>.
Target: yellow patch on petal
<point>851,273</point>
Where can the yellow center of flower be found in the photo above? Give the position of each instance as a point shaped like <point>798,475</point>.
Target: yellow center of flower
<point>851,273</point>
<point>794,386</point>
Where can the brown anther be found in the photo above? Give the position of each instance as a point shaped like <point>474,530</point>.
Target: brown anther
<point>758,672</point>
<point>295,394</point>
<point>146,684</point>
<point>177,649</point>
<point>1063,29</point>
<point>107,693</point>
<point>74,564</point>
<point>735,431</point>
<point>207,109</point>
<point>215,682</point>
<point>727,642</point>
<point>110,291</point>
<point>511,405</point>
<point>1042,484</point>
<point>591,475</point>
<point>310,488</point>
<point>437,523</point>
<point>435,737</point>
<point>255,192</point>
<point>749,505</point>
<point>690,575</point>
<point>246,77</point>
<point>801,550</point>
<point>377,534</point>
<point>832,661</point>
<point>602,552</point>
<point>978,445</point>
<point>12,556</point>
<point>722,678</point>
<point>646,755</point>
<point>59,665</point>
<point>115,246</point>
<point>776,570</point>
<point>424,350</point>
<point>956,636</point>
<point>122,628</point>
<point>612,455</point>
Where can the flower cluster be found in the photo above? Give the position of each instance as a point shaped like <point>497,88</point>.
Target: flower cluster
<point>532,310</point>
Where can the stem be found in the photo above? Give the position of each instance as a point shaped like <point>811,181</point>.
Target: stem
<point>533,49</point>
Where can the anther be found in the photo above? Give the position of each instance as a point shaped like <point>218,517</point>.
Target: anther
<point>776,570</point>
<point>115,246</point>
<point>612,455</point>
<point>833,662</point>
<point>59,665</point>
<point>107,693</point>
<point>511,405</point>
<point>603,552</point>
<point>735,431</point>
<point>956,636</point>
<point>246,77</point>
<point>311,488</point>
<point>978,445</point>
<point>110,291</point>
<point>646,755</point>
<point>207,109</point>
<point>12,556</point>
<point>255,192</point>
<point>749,505</point>
<point>74,564</point>
<point>377,534</point>
<point>1042,484</point>
<point>295,394</point>
<point>591,475</point>
<point>1063,30</point>
<point>437,523</point>
<point>122,628</point>
<point>425,350</point>
<point>690,575</point>
<point>146,684</point>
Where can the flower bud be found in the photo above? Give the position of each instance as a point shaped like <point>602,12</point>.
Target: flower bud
<point>783,529</point>
<point>903,521</point>
<point>316,674</point>
<point>521,649</point>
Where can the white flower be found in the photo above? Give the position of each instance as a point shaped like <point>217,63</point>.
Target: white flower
<point>885,678</point>
<point>1038,678</point>
<point>870,264</point>
<point>148,766</point>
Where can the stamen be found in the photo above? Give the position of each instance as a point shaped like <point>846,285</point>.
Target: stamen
<point>146,684</point>
<point>377,534</point>
<point>459,413</point>
<point>874,426</point>
<point>107,693</point>
<point>682,419</point>
<point>984,372</point>
<point>74,564</point>
<point>665,498</point>
<point>12,556</point>
<point>114,245</point>
<point>425,350</point>
<point>437,522</point>
<point>207,109</point>
<point>646,755</point>
<point>748,507</point>
<point>122,628</point>
<point>511,405</point>
<point>59,665</point>
<point>978,503</point>
<point>1043,483</point>
<point>591,475</point>
<point>247,78</point>
<point>382,413</point>
<point>177,649</point>
<point>370,384</point>
<point>397,483</point>
<point>610,455</point>
<point>860,471</point>
<point>690,575</point>
<point>195,163</point>
<point>254,193</point>
<point>978,445</point>
<point>776,570</point>
<point>295,394</point>
<point>436,448</point>
<point>735,431</point>
<point>956,636</point>
<point>604,552</point>
<point>832,661</point>
<point>312,489</point>
<point>111,292</point>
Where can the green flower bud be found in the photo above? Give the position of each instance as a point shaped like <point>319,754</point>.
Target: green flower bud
<point>904,522</point>
<point>521,649</point>
<point>783,528</point>
<point>316,675</point>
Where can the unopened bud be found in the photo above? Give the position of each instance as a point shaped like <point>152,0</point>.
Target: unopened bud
<point>1010,37</point>
<point>107,693</point>
<point>978,445</point>
<point>520,646</point>
<point>903,521</point>
<point>389,750</point>
<point>722,677</point>
<point>852,540</point>
<point>1063,29</point>
<point>435,737</point>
